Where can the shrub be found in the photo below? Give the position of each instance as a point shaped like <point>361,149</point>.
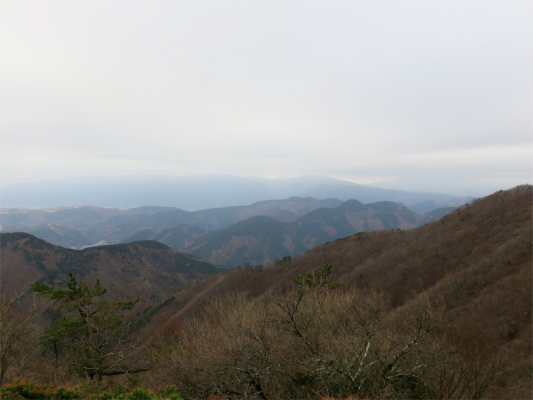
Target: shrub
<point>21,389</point>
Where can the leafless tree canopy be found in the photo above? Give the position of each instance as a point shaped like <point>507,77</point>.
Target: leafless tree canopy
<point>319,341</point>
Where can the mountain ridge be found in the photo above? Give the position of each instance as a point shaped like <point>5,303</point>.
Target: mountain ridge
<point>83,226</point>
<point>473,267</point>
<point>301,223</point>
<point>196,192</point>
<point>239,244</point>
<point>145,268</point>
<point>497,227</point>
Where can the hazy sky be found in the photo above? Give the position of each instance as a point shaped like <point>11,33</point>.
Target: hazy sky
<point>411,94</point>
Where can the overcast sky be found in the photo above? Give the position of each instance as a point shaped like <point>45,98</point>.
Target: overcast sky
<point>418,95</point>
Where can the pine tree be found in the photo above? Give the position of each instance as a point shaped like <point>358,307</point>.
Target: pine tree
<point>317,278</point>
<point>92,335</point>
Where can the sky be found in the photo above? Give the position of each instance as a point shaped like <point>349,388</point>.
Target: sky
<point>413,95</point>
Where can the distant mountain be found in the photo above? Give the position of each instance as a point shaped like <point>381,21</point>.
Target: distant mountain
<point>427,206</point>
<point>262,240</point>
<point>253,241</point>
<point>175,237</point>
<point>474,266</point>
<point>76,227</point>
<point>438,213</point>
<point>147,269</point>
<point>59,235</point>
<point>196,192</point>
<point>79,227</point>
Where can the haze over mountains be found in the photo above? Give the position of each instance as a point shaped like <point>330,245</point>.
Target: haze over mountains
<point>262,239</point>
<point>201,192</point>
<point>162,213</point>
<point>477,253</point>
<point>493,233</point>
<point>201,156</point>
<point>84,226</point>
<point>474,265</point>
<point>230,236</point>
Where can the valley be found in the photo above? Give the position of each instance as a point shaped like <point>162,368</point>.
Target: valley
<point>230,236</point>
<point>470,270</point>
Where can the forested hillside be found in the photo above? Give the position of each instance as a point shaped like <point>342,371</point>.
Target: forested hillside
<point>441,311</point>
<point>148,269</point>
<point>473,268</point>
<point>83,226</point>
<point>231,236</point>
<point>262,240</point>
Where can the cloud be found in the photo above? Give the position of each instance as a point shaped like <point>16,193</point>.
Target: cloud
<point>269,88</point>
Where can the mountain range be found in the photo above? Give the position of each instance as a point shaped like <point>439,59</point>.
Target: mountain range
<point>84,226</point>
<point>263,240</point>
<point>473,265</point>
<point>230,236</point>
<point>201,192</point>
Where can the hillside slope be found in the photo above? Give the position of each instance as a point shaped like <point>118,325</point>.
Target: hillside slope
<point>475,264</point>
<point>147,269</point>
<point>262,240</point>
<point>175,237</point>
<point>78,227</point>
<point>492,234</point>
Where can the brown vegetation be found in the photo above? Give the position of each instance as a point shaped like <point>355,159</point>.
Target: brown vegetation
<point>18,337</point>
<point>442,311</point>
<point>323,342</point>
<point>474,265</point>
<point>148,270</point>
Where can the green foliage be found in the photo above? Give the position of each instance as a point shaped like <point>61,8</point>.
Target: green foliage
<point>170,392</point>
<point>21,389</point>
<point>285,259</point>
<point>139,394</point>
<point>91,335</point>
<point>81,260</point>
<point>317,278</point>
<point>118,393</point>
<point>466,216</point>
<point>76,293</point>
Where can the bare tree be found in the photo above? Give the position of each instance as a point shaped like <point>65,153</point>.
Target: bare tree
<point>18,336</point>
<point>320,340</point>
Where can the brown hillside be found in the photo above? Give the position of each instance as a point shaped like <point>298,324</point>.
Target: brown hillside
<point>479,243</point>
<point>475,263</point>
<point>147,269</point>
